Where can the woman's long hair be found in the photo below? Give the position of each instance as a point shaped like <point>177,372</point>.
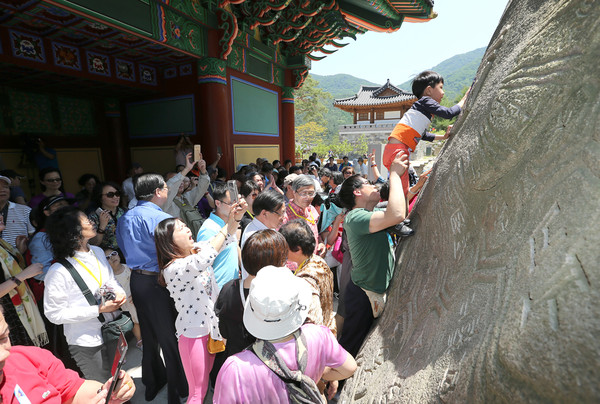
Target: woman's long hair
<point>166,250</point>
<point>63,228</point>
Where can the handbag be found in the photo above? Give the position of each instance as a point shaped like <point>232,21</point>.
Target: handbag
<point>215,345</point>
<point>110,329</point>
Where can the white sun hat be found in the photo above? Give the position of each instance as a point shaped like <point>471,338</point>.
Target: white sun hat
<point>278,303</point>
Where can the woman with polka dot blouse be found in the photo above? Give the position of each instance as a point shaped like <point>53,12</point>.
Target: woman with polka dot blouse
<point>186,270</point>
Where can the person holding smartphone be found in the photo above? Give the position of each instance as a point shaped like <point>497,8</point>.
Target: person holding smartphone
<point>32,374</point>
<point>226,265</point>
<point>107,196</point>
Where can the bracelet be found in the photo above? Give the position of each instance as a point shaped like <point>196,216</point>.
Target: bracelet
<point>238,220</point>
<point>373,165</point>
<point>414,193</point>
<point>100,231</point>
<point>223,233</point>
<point>16,280</point>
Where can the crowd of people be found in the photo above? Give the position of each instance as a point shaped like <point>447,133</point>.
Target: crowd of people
<point>261,286</point>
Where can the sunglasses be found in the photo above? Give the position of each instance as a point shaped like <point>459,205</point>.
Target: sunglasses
<point>112,194</point>
<point>112,254</point>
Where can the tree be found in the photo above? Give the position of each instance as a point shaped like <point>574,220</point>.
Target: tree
<point>310,103</point>
<point>309,135</point>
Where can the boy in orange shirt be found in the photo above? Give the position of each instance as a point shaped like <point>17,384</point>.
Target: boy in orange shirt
<point>428,86</point>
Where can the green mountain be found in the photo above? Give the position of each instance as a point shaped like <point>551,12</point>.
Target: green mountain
<point>458,72</point>
<point>341,85</point>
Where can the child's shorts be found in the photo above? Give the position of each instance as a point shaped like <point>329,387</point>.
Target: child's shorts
<point>389,154</point>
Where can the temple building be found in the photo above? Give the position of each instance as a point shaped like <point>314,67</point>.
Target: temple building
<point>106,83</point>
<point>375,112</point>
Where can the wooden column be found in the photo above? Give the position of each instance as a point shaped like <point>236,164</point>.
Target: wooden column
<point>117,161</point>
<point>214,112</point>
<point>372,120</point>
<point>288,134</point>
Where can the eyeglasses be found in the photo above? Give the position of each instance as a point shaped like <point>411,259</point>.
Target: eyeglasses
<point>307,194</point>
<point>53,180</point>
<point>112,254</point>
<point>280,213</point>
<point>361,183</point>
<point>112,194</point>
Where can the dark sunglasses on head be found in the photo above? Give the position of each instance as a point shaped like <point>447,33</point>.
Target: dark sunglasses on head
<point>112,194</point>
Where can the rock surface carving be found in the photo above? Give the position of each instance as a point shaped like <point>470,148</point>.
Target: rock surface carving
<point>496,298</point>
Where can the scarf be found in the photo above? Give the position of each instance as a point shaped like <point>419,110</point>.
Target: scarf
<point>22,298</point>
<point>301,389</point>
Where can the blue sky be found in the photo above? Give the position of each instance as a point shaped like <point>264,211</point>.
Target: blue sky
<point>462,26</point>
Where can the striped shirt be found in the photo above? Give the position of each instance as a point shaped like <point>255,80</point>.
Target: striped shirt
<point>17,223</point>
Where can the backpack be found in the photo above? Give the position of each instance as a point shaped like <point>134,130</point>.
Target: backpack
<point>190,216</point>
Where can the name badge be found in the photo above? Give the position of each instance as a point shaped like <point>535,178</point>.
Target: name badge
<point>20,395</point>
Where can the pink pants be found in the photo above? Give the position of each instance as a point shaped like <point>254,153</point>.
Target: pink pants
<point>197,363</point>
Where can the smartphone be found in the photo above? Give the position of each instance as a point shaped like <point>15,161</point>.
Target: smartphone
<point>233,191</point>
<point>219,150</point>
<point>197,152</point>
<point>99,211</point>
<point>117,364</point>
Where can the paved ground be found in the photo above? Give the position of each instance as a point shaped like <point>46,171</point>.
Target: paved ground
<point>133,367</point>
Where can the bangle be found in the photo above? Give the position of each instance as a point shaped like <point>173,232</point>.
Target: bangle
<point>238,220</point>
<point>101,231</point>
<point>373,165</point>
<point>414,193</point>
<point>223,233</point>
<point>16,280</point>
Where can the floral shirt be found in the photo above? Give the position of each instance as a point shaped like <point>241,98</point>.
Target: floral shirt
<point>110,239</point>
<point>310,214</point>
<point>192,285</point>
<point>320,278</point>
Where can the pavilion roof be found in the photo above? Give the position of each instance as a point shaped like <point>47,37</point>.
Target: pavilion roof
<point>369,96</point>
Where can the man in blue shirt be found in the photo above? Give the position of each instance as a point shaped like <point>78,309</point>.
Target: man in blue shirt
<point>226,265</point>
<point>155,308</point>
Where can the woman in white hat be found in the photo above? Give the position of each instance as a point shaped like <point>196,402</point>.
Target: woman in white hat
<point>288,358</point>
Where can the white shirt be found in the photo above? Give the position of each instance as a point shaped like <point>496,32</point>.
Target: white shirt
<point>254,226</point>
<point>363,169</point>
<point>193,288</point>
<point>17,223</point>
<point>64,302</point>
<point>128,190</point>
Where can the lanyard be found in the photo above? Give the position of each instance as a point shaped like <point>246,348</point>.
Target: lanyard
<point>90,272</point>
<point>308,219</point>
<point>251,215</point>
<point>301,265</point>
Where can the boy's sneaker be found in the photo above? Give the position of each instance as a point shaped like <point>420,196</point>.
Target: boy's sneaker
<point>401,229</point>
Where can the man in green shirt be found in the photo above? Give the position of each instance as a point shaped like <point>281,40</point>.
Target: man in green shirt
<point>370,247</point>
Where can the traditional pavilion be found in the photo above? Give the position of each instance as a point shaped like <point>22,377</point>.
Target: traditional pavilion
<point>108,82</point>
<point>375,112</point>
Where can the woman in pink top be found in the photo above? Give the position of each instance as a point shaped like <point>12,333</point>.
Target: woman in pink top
<point>274,312</point>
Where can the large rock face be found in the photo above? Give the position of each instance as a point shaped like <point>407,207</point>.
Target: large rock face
<point>496,298</point>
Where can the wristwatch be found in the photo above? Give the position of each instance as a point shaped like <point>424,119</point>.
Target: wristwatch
<point>15,280</point>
